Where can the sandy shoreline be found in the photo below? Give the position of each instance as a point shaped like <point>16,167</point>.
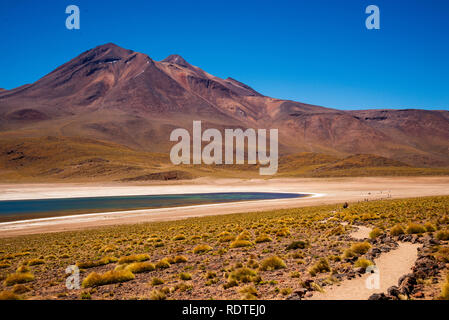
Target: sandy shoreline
<point>327,190</point>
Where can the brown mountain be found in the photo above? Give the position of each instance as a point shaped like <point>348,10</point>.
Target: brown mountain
<point>123,97</point>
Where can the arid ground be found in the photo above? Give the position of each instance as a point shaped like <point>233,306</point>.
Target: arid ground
<point>310,248</point>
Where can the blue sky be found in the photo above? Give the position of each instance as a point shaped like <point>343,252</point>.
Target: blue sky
<point>316,52</point>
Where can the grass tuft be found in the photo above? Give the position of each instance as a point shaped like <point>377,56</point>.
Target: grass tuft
<point>321,266</point>
<point>202,248</point>
<point>134,258</point>
<point>140,267</point>
<point>397,230</point>
<point>414,228</point>
<point>115,276</point>
<point>272,263</point>
<point>17,278</point>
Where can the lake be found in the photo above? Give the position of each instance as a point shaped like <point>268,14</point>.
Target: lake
<point>11,210</point>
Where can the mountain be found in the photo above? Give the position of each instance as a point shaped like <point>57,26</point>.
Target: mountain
<point>118,96</point>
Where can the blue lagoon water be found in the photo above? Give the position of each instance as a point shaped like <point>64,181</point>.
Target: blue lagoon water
<point>28,209</point>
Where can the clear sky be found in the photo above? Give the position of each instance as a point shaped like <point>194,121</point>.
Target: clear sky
<point>317,52</point>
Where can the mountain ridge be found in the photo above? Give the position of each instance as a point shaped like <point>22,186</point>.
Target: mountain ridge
<point>121,96</point>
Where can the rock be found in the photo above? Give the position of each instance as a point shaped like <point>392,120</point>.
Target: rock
<point>309,294</point>
<point>415,239</point>
<point>407,283</point>
<point>419,295</point>
<point>351,275</point>
<point>429,241</point>
<point>393,291</point>
<point>374,252</point>
<point>379,296</point>
<point>426,266</point>
<point>359,270</point>
<point>298,294</point>
<point>407,238</point>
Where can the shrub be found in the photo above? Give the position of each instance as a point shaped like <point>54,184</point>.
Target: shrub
<point>163,264</point>
<point>183,287</point>
<point>252,264</point>
<point>179,237</point>
<point>443,235</point>
<point>35,262</point>
<point>230,284</point>
<point>414,228</point>
<point>244,275</point>
<point>18,277</point>
<point>283,232</point>
<point>245,235</point>
<point>263,238</point>
<point>157,295</point>
<point>321,266</point>
<point>85,295</point>
<point>202,248</point>
<point>240,244</point>
<point>445,290</point>
<point>443,254</point>
<point>134,258</point>
<point>375,233</point>
<point>8,295</point>
<point>297,245</point>
<point>286,291</point>
<point>179,259</point>
<point>139,267</point>
<point>397,230</point>
<point>185,276</point>
<point>227,238</point>
<point>4,265</point>
<point>93,264</point>
<point>210,275</point>
<point>429,227</point>
<point>272,263</point>
<point>20,289</point>
<point>363,263</point>
<point>115,276</point>
<point>248,293</point>
<point>156,281</point>
<point>357,249</point>
<point>23,269</point>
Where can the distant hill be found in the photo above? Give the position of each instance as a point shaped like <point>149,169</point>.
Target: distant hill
<point>113,95</point>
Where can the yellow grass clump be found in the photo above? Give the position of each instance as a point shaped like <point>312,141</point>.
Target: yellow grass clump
<point>240,244</point>
<point>18,277</point>
<point>93,264</point>
<point>443,235</point>
<point>263,238</point>
<point>321,266</point>
<point>397,230</point>
<point>414,228</point>
<point>375,233</point>
<point>134,258</point>
<point>115,276</point>
<point>202,248</point>
<point>163,264</point>
<point>272,263</point>
<point>363,263</point>
<point>244,275</point>
<point>357,249</point>
<point>8,295</point>
<point>139,267</point>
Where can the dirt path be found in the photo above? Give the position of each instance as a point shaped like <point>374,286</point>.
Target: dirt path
<point>361,233</point>
<point>326,190</point>
<point>391,266</point>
